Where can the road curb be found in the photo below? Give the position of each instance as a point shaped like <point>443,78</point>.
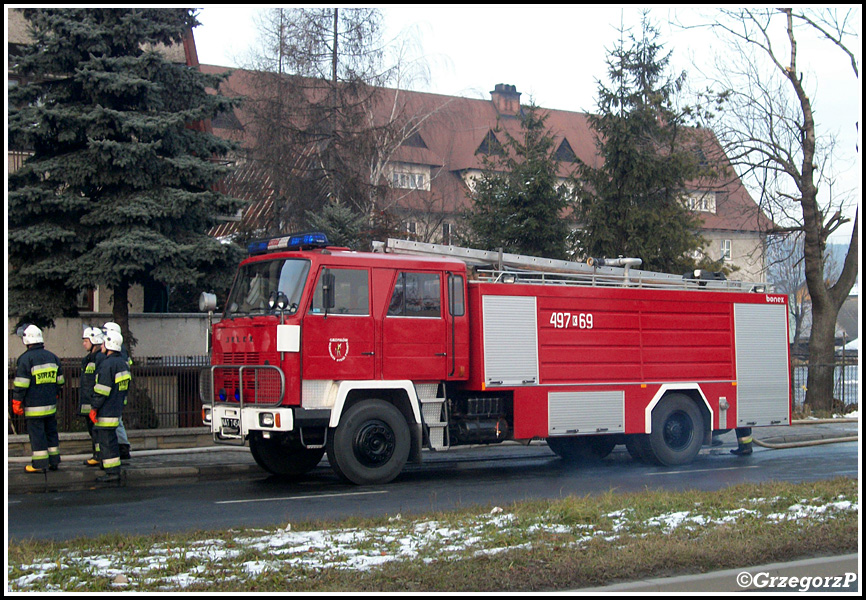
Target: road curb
<point>827,569</point>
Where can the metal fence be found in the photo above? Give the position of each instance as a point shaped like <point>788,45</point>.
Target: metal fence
<point>165,392</point>
<point>846,378</point>
<point>163,395</point>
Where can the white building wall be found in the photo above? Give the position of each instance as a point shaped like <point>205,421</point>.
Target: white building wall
<point>158,334</point>
<point>748,252</point>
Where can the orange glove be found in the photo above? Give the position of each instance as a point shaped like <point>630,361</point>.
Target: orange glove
<point>93,415</point>
<point>17,408</point>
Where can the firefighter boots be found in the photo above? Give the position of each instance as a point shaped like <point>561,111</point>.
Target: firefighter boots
<point>743,448</point>
<point>32,469</point>
<point>124,451</point>
<point>92,462</point>
<point>109,478</point>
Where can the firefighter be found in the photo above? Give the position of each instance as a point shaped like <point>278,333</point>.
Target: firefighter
<point>744,441</point>
<point>109,397</point>
<point>122,438</point>
<point>92,342</point>
<point>38,379</point>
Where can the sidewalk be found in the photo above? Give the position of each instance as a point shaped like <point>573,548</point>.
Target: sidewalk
<point>160,457</point>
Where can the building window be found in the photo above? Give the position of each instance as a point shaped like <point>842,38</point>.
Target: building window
<point>411,228</point>
<point>702,202</point>
<point>84,300</point>
<point>447,233</point>
<point>409,181</point>
<point>726,249</point>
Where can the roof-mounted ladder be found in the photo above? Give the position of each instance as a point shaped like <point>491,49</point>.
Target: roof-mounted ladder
<point>503,266</point>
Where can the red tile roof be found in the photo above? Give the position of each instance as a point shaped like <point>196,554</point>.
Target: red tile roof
<point>452,129</point>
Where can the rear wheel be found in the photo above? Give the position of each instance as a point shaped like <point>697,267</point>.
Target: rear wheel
<point>582,449</point>
<point>371,444</point>
<point>633,445</point>
<point>282,456</point>
<point>677,432</point>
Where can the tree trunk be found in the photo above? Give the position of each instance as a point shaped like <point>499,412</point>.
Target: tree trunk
<point>819,384</point>
<point>120,313</point>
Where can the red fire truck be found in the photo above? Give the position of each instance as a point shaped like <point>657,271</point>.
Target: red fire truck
<point>373,357</point>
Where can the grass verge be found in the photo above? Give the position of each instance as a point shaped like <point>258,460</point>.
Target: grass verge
<point>533,546</point>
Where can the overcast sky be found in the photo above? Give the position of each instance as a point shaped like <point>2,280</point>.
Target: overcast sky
<point>553,54</point>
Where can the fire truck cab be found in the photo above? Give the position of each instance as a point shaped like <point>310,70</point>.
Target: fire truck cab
<point>374,356</point>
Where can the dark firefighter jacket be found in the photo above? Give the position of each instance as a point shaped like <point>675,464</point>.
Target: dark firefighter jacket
<point>88,378</point>
<point>38,379</point>
<point>110,389</point>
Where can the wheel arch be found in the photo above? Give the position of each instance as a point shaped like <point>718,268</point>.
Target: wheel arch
<point>399,393</point>
<point>692,391</point>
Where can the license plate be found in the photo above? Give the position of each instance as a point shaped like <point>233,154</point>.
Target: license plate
<point>231,423</point>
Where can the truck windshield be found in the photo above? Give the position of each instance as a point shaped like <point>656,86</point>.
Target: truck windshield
<point>256,282</point>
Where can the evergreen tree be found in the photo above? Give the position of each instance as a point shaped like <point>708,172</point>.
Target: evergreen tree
<point>632,204</point>
<point>119,189</point>
<point>518,203</point>
<point>341,224</point>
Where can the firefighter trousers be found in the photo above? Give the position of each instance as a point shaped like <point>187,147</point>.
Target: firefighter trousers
<point>109,449</point>
<point>44,441</point>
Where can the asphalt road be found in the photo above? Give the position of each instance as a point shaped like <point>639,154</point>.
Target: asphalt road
<point>482,476</point>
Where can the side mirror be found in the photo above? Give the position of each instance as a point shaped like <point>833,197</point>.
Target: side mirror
<point>328,292</point>
<point>207,302</point>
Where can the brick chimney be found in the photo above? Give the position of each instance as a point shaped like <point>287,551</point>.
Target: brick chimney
<point>506,99</point>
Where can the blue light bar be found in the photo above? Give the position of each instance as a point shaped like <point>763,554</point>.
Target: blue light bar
<point>295,241</point>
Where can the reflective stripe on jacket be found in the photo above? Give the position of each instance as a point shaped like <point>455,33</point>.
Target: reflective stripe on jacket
<point>110,389</point>
<point>38,379</point>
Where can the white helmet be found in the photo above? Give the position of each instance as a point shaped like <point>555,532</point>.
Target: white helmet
<point>94,334</point>
<point>111,326</point>
<point>113,341</point>
<point>31,335</point>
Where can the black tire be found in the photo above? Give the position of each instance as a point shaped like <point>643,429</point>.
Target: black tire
<point>582,449</point>
<point>633,444</point>
<point>677,432</point>
<point>602,445</point>
<point>283,457</point>
<point>371,444</point>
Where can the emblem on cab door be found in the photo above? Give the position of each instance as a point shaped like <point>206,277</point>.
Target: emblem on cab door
<point>338,349</point>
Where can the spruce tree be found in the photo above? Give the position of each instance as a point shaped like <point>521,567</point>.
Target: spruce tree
<point>120,187</point>
<point>518,204</point>
<point>632,204</point>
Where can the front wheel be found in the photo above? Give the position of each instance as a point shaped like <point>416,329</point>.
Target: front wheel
<point>283,457</point>
<point>371,444</point>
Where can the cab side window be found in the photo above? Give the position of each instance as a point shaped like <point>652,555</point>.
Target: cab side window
<point>416,295</point>
<point>351,293</point>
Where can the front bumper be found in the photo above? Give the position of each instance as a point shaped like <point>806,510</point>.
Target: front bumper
<point>233,423</point>
<point>230,424</point>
